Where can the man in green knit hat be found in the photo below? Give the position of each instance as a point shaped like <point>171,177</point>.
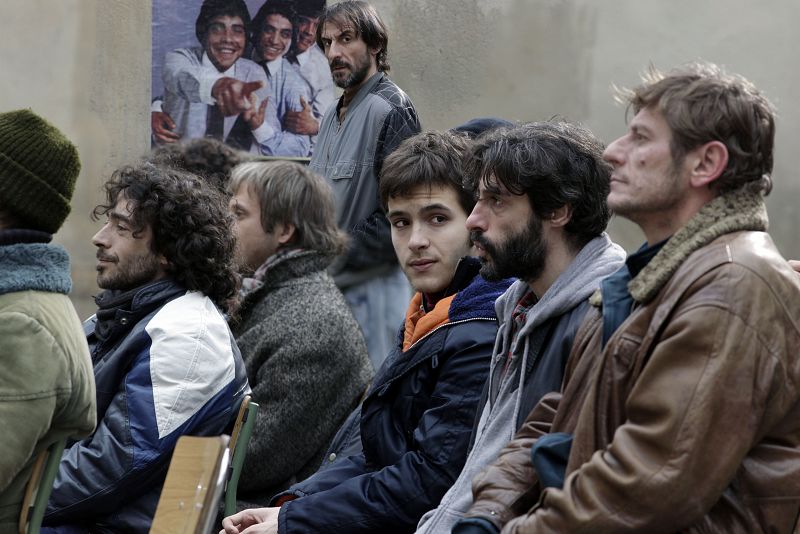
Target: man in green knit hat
<point>46,381</point>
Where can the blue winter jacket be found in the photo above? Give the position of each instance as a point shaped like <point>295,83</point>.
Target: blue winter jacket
<point>415,425</point>
<point>166,365</point>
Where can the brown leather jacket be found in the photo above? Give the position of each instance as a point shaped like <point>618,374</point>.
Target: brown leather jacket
<point>689,420</point>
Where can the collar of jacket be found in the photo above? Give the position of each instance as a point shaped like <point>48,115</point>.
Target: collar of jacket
<point>292,265</point>
<point>295,265</point>
<point>735,211</point>
<point>469,296</point>
<point>361,94</point>
<point>118,311</point>
<point>34,266</point>
<point>15,236</point>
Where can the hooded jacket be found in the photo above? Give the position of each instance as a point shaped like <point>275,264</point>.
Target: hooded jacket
<point>544,343</point>
<point>415,422</point>
<point>689,419</point>
<point>165,365</point>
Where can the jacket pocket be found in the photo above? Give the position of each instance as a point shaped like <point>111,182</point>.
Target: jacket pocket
<point>343,170</point>
<point>620,375</point>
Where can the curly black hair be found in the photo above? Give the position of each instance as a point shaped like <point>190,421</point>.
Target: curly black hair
<point>191,226</point>
<point>208,158</point>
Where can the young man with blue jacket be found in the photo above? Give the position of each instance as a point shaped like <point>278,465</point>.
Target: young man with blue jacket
<point>416,419</point>
<point>165,362</point>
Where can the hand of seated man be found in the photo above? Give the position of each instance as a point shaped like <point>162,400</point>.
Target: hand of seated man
<point>252,521</point>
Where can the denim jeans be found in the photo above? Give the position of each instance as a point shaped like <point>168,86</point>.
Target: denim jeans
<point>379,305</point>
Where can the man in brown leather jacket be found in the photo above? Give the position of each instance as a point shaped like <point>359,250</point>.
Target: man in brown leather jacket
<point>681,406</point>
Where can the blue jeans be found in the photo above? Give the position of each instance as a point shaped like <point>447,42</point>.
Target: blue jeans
<point>379,305</point>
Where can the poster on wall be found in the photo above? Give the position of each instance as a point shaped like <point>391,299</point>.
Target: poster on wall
<point>247,72</point>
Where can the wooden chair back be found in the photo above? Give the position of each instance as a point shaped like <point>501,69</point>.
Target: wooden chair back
<point>192,490</point>
<point>39,487</point>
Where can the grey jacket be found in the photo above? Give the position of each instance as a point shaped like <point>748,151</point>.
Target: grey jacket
<point>307,365</point>
<point>350,154</point>
<point>540,356</point>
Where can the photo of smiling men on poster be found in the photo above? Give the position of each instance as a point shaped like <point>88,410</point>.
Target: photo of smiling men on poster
<point>246,72</point>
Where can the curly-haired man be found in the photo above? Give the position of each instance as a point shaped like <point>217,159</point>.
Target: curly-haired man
<point>164,359</point>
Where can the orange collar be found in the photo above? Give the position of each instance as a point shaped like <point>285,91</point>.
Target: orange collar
<point>419,323</point>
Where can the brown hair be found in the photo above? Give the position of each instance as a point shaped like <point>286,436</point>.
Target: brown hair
<point>427,159</point>
<point>291,193</point>
<point>365,22</point>
<point>702,103</point>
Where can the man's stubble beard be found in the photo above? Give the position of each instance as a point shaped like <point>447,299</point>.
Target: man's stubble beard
<point>140,270</point>
<point>357,74</point>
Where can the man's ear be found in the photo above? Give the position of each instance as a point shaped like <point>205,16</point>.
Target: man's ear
<point>560,217</point>
<point>164,263</point>
<point>285,232</point>
<point>708,163</point>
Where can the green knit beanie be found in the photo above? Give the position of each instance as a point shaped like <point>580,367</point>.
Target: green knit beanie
<point>38,169</point>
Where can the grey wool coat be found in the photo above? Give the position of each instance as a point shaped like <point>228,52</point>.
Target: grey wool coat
<point>307,364</point>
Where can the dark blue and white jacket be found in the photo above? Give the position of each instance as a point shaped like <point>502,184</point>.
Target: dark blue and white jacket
<point>166,365</point>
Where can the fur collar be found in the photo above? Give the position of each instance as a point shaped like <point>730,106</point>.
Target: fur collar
<point>734,211</point>
<point>34,266</point>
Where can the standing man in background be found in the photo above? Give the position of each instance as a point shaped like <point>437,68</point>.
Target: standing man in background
<point>372,117</point>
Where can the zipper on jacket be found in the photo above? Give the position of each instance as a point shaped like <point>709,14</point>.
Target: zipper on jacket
<point>452,323</point>
<point>435,357</point>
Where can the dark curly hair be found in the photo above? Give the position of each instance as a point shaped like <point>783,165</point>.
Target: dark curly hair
<point>208,158</point>
<point>191,226</point>
<point>555,163</point>
<point>273,7</point>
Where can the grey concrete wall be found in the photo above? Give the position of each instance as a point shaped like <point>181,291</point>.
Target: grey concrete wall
<point>85,64</point>
<point>533,59</point>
